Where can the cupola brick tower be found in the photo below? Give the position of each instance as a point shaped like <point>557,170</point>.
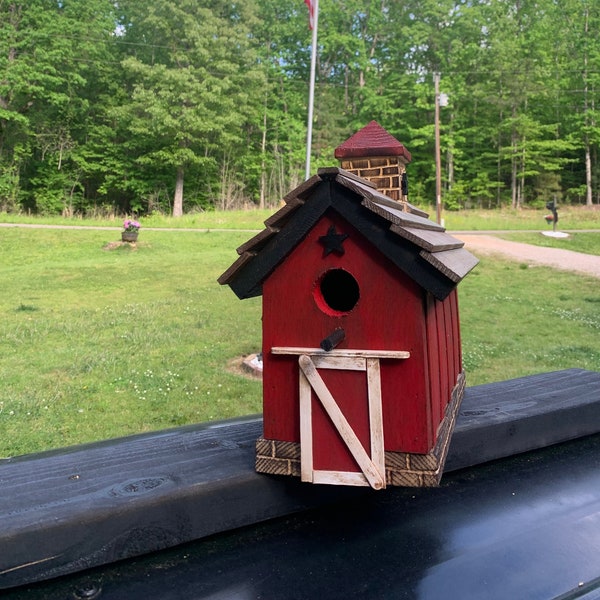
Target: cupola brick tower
<point>376,155</point>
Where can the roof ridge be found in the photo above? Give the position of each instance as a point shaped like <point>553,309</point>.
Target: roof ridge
<point>414,243</point>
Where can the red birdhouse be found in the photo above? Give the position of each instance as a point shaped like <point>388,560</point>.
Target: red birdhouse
<point>362,370</point>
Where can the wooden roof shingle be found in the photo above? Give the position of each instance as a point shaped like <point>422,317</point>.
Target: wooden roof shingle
<point>416,245</point>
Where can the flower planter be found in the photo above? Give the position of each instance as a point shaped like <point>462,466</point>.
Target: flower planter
<point>129,236</point>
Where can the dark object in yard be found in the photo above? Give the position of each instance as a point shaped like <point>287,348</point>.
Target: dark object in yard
<point>553,218</point>
<point>404,185</point>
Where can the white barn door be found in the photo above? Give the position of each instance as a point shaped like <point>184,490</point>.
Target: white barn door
<point>370,460</point>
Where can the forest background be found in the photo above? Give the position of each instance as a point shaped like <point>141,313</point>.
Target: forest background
<point>175,106</point>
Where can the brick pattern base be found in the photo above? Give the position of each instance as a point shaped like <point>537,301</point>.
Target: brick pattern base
<point>276,457</point>
<point>384,171</point>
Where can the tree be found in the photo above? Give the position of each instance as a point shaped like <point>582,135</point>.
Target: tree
<point>194,84</point>
<point>579,55</point>
<point>48,56</point>
<point>115,106</point>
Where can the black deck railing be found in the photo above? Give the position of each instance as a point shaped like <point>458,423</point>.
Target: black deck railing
<point>68,510</point>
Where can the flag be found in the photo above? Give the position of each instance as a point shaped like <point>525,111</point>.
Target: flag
<point>311,12</point>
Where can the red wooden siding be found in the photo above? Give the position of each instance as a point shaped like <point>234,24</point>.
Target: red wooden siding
<point>433,361</point>
<point>388,316</point>
<point>350,391</point>
<point>453,298</point>
<point>444,351</point>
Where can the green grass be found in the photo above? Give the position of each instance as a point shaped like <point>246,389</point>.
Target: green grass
<point>235,219</point>
<point>588,243</point>
<point>570,217</point>
<point>98,343</point>
<point>519,320</point>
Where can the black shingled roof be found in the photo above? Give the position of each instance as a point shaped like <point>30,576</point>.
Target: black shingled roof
<point>416,245</point>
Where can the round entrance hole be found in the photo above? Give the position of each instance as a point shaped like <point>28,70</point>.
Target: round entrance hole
<point>337,292</point>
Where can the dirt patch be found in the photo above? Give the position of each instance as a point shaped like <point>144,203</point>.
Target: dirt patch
<point>245,366</point>
<point>124,246</point>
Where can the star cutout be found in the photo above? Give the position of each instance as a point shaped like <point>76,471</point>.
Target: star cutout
<point>332,242</point>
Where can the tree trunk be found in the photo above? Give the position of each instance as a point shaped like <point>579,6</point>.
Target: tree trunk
<point>521,197</point>
<point>588,174</point>
<point>513,174</point>
<point>178,198</point>
<point>499,169</point>
<point>588,157</point>
<point>450,156</point>
<point>263,166</point>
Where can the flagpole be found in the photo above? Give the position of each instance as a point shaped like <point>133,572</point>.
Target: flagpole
<point>311,92</point>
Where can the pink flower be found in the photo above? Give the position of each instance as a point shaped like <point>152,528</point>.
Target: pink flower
<point>130,225</point>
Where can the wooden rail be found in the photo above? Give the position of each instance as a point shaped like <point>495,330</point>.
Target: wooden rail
<point>71,509</point>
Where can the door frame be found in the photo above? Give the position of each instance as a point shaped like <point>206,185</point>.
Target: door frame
<point>372,462</point>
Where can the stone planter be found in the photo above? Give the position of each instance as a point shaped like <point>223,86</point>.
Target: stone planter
<point>129,236</point>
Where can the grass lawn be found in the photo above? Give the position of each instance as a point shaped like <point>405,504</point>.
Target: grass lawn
<point>97,343</point>
<point>570,218</point>
<point>586,242</point>
<point>235,219</point>
<point>519,320</point>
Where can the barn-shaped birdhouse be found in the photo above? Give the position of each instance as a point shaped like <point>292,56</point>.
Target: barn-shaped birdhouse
<point>362,373</point>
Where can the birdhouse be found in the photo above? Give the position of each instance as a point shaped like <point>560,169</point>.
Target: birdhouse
<point>362,370</point>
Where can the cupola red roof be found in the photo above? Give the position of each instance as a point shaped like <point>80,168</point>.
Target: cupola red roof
<point>371,140</point>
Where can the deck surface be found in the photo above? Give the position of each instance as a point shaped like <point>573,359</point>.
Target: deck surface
<point>525,527</point>
<point>65,511</point>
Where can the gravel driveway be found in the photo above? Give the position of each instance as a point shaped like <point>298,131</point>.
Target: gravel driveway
<point>566,260</point>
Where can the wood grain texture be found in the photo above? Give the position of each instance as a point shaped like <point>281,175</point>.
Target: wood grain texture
<point>235,267</point>
<point>279,218</point>
<point>432,241</point>
<point>254,244</point>
<point>343,175</point>
<point>358,200</point>
<point>432,363</point>
<point>306,437</point>
<point>399,251</point>
<point>342,353</point>
<point>370,331</point>
<point>362,187</point>
<point>247,281</point>
<point>304,188</point>
<point>376,414</point>
<point>397,216</point>
<point>455,264</point>
<point>72,509</point>
<point>369,469</point>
